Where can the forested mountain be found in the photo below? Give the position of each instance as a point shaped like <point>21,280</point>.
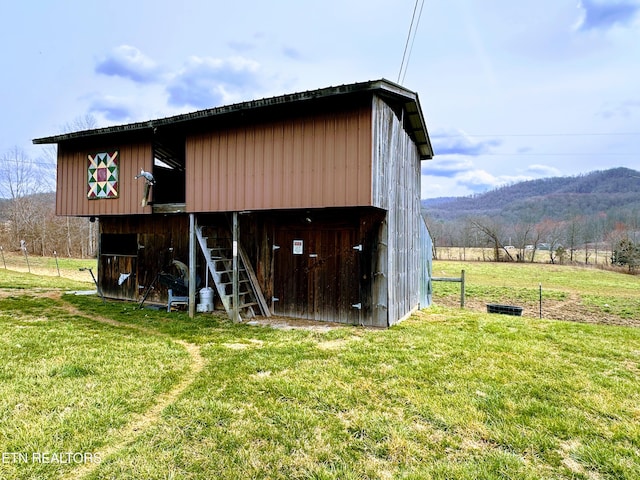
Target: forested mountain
<point>614,193</point>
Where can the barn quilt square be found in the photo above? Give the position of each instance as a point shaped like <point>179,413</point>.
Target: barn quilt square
<point>102,174</point>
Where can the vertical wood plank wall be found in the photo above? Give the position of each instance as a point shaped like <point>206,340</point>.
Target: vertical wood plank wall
<point>396,188</point>
<point>307,162</point>
<point>322,287</point>
<point>160,240</point>
<point>71,191</point>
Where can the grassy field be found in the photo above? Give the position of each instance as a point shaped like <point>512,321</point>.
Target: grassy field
<point>104,390</point>
<point>568,292</point>
<point>46,267</point>
<point>473,254</point>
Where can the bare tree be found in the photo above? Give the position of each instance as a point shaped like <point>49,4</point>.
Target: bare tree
<point>553,235</point>
<point>522,236</point>
<point>493,230</point>
<point>26,191</point>
<point>572,233</point>
<point>21,179</point>
<point>19,175</point>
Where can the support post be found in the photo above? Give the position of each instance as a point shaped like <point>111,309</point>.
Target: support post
<point>462,289</point>
<point>540,285</point>
<point>23,246</point>
<point>192,265</point>
<point>55,254</point>
<point>459,280</point>
<point>235,276</point>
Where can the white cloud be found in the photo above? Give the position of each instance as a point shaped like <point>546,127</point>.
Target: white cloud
<point>623,109</point>
<point>479,180</point>
<point>536,170</point>
<point>208,82</point>
<point>457,142</point>
<point>602,15</point>
<point>111,108</point>
<point>448,166</point>
<point>129,62</point>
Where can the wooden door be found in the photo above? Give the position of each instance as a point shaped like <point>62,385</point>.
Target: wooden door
<point>117,276</point>
<point>317,274</point>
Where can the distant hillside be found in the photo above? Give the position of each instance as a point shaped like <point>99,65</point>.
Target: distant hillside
<point>612,192</point>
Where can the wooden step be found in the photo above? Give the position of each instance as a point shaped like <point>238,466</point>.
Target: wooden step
<point>219,263</point>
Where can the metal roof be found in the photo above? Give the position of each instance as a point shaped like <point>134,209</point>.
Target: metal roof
<point>412,113</point>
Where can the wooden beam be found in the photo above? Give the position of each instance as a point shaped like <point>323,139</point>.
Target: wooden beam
<point>235,276</point>
<point>192,265</point>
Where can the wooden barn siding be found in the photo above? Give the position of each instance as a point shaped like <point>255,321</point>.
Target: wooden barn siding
<point>306,162</point>
<point>71,191</point>
<point>323,298</point>
<point>396,188</point>
<point>320,298</point>
<point>161,239</point>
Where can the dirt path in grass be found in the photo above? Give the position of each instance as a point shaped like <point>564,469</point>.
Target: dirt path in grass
<point>140,422</point>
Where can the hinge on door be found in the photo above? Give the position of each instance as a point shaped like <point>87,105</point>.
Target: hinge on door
<point>357,305</point>
<point>275,247</point>
<point>275,299</point>
<point>358,247</point>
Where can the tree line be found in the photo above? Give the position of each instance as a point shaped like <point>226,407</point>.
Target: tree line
<point>27,204</point>
<point>27,210</point>
<point>547,240</point>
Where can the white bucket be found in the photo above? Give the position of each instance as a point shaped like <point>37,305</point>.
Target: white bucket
<point>206,300</point>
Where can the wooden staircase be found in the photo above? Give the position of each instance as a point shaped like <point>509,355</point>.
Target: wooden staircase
<point>219,257</point>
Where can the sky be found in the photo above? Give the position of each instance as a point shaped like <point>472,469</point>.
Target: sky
<point>510,90</point>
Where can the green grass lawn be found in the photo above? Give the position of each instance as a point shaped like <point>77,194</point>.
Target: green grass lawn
<point>577,293</point>
<point>447,394</point>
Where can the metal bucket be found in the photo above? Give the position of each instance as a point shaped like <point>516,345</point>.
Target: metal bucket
<point>206,300</point>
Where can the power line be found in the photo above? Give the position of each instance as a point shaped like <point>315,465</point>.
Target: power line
<point>37,163</point>
<point>410,39</point>
<point>571,154</point>
<point>535,134</point>
<point>415,31</point>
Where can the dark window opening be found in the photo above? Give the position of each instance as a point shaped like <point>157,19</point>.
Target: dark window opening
<point>169,171</point>
<point>119,244</point>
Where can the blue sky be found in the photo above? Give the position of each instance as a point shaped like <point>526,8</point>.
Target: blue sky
<point>510,90</point>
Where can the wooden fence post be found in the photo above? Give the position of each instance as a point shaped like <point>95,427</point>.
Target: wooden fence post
<point>459,280</point>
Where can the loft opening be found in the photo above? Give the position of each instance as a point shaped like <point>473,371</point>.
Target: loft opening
<point>169,170</point>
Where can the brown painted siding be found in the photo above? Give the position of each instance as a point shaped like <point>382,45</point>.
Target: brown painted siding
<point>71,191</point>
<point>307,162</point>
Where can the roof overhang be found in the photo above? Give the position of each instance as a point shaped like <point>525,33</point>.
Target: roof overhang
<point>413,119</point>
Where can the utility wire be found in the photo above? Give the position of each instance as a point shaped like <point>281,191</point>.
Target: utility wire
<point>456,135</point>
<point>403,65</point>
<point>413,39</point>
<point>549,154</point>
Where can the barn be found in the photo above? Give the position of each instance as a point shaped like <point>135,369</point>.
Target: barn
<point>304,205</point>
